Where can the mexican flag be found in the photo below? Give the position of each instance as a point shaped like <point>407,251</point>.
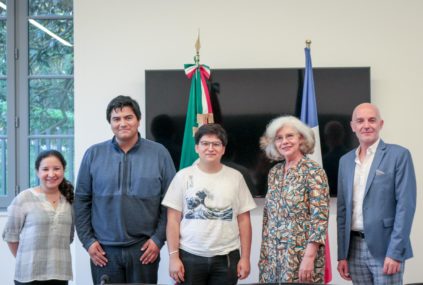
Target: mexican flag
<point>199,110</point>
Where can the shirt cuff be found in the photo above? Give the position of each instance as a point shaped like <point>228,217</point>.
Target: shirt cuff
<point>89,243</point>
<point>9,236</point>
<point>157,241</point>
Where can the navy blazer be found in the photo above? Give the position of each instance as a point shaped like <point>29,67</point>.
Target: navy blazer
<point>388,207</point>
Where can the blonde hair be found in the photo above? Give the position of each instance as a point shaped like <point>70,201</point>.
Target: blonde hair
<point>267,141</point>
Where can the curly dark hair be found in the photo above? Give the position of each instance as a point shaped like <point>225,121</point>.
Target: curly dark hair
<point>65,187</point>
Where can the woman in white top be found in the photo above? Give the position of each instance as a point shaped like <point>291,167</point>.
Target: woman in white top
<point>40,225</point>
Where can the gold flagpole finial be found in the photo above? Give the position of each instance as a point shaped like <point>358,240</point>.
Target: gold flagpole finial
<point>197,48</point>
<point>308,43</point>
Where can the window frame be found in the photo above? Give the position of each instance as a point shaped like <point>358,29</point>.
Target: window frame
<point>11,136</point>
<point>18,79</point>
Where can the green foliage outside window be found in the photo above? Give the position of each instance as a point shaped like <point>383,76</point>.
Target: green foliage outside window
<point>3,108</point>
<point>3,62</point>
<point>51,7</point>
<point>47,55</point>
<point>50,114</point>
<point>51,85</point>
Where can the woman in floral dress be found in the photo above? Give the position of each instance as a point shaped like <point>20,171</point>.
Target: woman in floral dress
<point>296,209</point>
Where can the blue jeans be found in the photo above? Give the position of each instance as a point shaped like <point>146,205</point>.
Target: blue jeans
<point>216,270</point>
<point>124,266</point>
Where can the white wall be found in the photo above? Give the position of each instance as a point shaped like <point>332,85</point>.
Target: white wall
<point>115,41</point>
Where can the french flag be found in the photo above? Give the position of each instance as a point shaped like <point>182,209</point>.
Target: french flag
<point>309,117</point>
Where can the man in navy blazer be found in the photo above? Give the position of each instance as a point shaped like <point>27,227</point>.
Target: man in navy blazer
<point>376,205</point>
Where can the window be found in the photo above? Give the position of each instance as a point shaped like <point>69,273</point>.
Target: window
<point>3,100</point>
<point>36,89</point>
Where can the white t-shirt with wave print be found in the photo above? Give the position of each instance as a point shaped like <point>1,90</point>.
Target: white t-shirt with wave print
<point>210,204</point>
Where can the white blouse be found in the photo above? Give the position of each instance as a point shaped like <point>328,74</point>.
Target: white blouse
<point>44,234</point>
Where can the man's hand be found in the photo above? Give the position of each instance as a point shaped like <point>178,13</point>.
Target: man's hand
<point>151,252</point>
<point>243,268</point>
<point>97,254</point>
<point>176,268</point>
<point>343,269</point>
<point>391,266</point>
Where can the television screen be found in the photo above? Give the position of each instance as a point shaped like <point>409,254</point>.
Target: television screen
<point>245,100</point>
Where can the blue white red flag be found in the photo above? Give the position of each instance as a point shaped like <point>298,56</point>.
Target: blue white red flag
<point>309,117</point>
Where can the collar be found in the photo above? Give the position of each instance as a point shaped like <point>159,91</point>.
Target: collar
<point>371,150</point>
<point>299,163</point>
<point>135,146</point>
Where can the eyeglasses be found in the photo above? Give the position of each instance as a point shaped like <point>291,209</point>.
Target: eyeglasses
<point>207,144</point>
<point>288,137</point>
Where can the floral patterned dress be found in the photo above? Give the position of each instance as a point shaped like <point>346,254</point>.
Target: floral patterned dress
<point>296,212</point>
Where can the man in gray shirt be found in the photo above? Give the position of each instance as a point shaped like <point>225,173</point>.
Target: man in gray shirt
<point>121,183</point>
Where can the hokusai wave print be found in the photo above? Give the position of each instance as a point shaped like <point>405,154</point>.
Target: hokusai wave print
<point>197,208</point>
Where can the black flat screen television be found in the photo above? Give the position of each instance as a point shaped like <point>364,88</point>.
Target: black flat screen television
<point>245,100</point>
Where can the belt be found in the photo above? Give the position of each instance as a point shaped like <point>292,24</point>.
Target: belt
<point>357,234</point>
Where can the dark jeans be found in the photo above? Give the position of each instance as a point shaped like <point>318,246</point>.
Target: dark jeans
<point>216,270</point>
<point>124,266</point>
<point>45,282</point>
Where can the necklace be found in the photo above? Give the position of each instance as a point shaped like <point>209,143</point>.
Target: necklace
<point>54,201</point>
<point>53,198</point>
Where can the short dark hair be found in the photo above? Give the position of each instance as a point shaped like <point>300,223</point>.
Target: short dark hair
<point>120,102</point>
<point>211,129</point>
<point>65,187</point>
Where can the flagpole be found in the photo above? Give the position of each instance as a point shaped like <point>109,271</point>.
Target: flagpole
<point>197,49</point>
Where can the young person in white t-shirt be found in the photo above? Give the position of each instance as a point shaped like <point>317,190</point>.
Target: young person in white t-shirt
<point>209,217</point>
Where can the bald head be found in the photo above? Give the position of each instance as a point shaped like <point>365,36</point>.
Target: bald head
<point>367,107</point>
<point>366,124</point>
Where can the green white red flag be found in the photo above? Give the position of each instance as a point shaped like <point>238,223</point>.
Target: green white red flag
<point>199,110</point>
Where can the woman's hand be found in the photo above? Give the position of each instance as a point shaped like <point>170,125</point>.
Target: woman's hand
<point>176,268</point>
<point>306,269</point>
<point>13,246</point>
<point>307,264</point>
<point>243,268</point>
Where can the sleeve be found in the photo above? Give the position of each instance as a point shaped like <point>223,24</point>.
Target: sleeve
<point>270,181</point>
<point>174,195</point>
<point>405,195</point>
<point>265,221</point>
<point>341,215</point>
<point>246,201</point>
<point>15,221</point>
<point>72,229</point>
<point>83,203</point>
<point>318,189</point>
<point>167,174</point>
